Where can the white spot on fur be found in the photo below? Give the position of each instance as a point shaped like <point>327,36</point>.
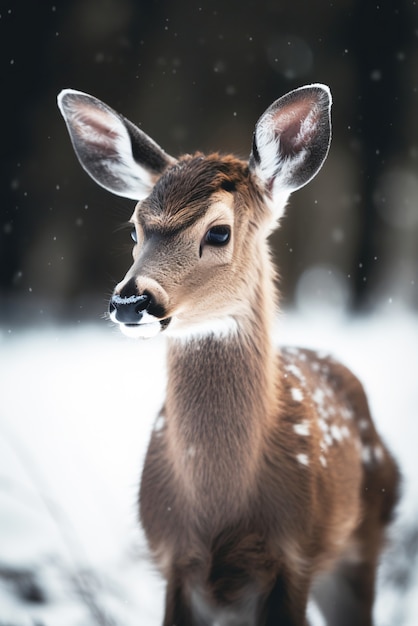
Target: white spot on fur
<point>318,397</point>
<point>366,455</point>
<point>301,429</point>
<point>297,395</point>
<point>323,461</point>
<point>328,439</point>
<point>302,459</point>
<point>219,328</point>
<point>336,432</point>
<point>345,432</point>
<point>346,413</point>
<point>363,424</point>
<point>296,352</point>
<point>323,425</point>
<point>296,371</point>
<point>379,454</point>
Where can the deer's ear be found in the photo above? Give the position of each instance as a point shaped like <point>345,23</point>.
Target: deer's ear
<point>291,141</point>
<point>117,155</point>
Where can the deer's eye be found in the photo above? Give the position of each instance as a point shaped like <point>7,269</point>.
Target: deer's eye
<point>218,235</point>
<point>134,236</point>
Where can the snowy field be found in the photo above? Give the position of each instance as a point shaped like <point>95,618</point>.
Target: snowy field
<point>76,408</point>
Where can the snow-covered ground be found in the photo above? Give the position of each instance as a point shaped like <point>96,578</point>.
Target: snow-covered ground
<point>76,408</point>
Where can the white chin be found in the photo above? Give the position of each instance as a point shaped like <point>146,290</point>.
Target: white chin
<point>141,331</point>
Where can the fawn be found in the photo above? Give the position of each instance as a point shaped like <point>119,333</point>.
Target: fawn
<point>265,480</point>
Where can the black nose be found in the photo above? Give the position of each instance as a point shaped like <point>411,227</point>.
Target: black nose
<point>128,309</point>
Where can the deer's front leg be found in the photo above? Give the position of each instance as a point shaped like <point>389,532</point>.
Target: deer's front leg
<point>286,603</point>
<point>177,610</point>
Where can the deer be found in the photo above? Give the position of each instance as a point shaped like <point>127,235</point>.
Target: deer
<point>265,482</point>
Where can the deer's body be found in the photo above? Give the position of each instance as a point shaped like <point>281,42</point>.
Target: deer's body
<point>264,469</point>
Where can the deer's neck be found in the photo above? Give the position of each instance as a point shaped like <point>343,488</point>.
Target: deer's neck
<point>221,395</point>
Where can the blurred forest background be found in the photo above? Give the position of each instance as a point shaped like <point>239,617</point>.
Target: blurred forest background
<point>196,76</point>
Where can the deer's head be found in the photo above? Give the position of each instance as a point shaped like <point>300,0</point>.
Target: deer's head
<point>201,222</point>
